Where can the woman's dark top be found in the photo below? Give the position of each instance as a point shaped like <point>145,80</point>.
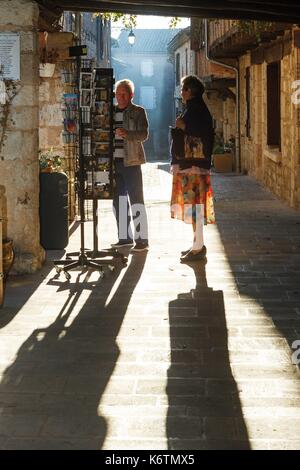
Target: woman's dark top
<point>198,123</point>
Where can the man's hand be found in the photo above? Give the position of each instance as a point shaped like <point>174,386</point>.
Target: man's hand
<point>180,123</point>
<point>121,132</point>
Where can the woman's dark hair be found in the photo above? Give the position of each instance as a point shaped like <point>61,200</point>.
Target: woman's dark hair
<point>193,83</point>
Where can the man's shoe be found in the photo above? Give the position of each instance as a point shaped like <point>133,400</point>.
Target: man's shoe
<point>185,252</point>
<point>122,243</point>
<point>190,256</point>
<point>140,246</point>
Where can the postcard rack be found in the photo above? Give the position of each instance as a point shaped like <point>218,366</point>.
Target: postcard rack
<point>70,113</point>
<point>96,103</point>
<point>94,174</point>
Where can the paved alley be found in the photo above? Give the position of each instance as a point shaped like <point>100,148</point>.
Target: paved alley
<point>162,355</point>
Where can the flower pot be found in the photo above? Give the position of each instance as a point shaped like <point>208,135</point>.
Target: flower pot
<point>222,162</point>
<point>47,70</point>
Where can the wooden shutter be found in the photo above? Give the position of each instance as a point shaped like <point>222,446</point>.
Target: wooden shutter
<point>248,103</point>
<point>273,104</point>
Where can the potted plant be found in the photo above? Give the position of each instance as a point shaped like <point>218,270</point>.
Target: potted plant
<point>8,256</point>
<point>53,199</point>
<point>50,162</point>
<point>223,155</point>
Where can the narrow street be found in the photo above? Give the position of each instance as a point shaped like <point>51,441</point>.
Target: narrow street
<point>162,355</point>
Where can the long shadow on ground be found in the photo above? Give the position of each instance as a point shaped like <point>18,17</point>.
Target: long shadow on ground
<point>261,239</point>
<point>202,414</point>
<point>54,402</point>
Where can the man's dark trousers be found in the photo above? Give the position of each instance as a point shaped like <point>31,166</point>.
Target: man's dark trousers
<point>129,192</point>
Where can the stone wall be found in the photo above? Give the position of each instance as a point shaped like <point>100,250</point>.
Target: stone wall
<point>229,119</point>
<point>51,92</point>
<point>206,68</point>
<point>1,263</point>
<point>246,144</point>
<point>19,166</point>
<point>223,111</point>
<point>278,170</point>
<point>50,97</point>
<point>215,106</point>
<point>187,67</point>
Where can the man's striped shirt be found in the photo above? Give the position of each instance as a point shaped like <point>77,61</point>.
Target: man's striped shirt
<point>119,141</point>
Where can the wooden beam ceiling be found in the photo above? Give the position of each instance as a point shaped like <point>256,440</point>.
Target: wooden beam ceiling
<point>49,18</point>
<point>264,10</point>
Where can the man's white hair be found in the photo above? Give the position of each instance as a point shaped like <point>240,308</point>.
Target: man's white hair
<point>126,83</point>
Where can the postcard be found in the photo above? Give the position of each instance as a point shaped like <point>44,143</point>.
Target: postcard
<point>85,81</point>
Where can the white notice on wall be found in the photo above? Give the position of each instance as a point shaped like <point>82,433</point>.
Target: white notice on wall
<point>10,56</point>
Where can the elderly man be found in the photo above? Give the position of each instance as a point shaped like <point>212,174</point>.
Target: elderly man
<point>131,130</point>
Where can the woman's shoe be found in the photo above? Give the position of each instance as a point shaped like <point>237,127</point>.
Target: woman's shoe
<point>190,256</point>
<point>140,246</point>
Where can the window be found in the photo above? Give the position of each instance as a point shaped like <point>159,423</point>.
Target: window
<point>177,69</point>
<point>273,104</point>
<point>147,68</point>
<point>148,97</point>
<point>248,103</point>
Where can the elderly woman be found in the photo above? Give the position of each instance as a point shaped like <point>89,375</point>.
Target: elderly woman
<point>192,198</point>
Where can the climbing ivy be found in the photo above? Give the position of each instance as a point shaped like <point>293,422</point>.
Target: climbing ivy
<point>10,89</point>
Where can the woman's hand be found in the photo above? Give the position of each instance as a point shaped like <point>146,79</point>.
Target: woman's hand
<point>180,123</point>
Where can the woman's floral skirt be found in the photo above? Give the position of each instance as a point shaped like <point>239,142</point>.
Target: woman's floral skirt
<point>192,193</point>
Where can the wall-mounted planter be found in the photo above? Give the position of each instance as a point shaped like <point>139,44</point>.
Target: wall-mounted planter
<point>47,70</point>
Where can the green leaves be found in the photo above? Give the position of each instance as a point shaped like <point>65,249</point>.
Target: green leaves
<point>49,159</point>
<point>255,28</point>
<point>129,21</point>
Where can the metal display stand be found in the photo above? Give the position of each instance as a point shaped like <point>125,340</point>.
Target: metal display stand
<point>95,175</point>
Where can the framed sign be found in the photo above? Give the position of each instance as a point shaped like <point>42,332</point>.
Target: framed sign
<point>10,56</point>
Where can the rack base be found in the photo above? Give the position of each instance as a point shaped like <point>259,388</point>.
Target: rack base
<point>90,259</point>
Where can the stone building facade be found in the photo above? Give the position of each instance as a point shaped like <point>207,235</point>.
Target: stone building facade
<point>19,165</point>
<point>269,119</point>
<point>95,33</point>
<point>220,84</point>
<point>184,61</point>
<point>51,90</point>
<point>31,122</point>
<point>276,166</point>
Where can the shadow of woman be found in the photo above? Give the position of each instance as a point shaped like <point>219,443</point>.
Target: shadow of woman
<point>54,402</point>
<point>204,406</point>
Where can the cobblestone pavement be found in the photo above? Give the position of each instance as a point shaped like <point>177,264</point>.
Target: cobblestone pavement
<point>160,355</point>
